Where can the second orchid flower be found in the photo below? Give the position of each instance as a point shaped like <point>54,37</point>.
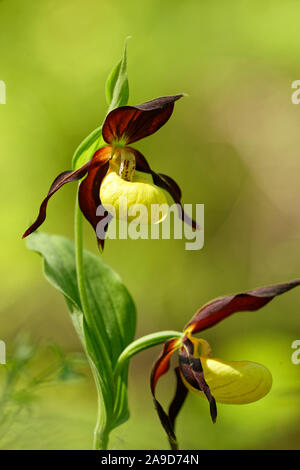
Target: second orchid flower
<point>231,382</point>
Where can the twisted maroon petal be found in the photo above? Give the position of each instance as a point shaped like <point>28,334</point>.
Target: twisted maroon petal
<point>132,123</point>
<point>179,398</point>
<point>162,364</point>
<point>218,309</point>
<point>63,178</point>
<point>192,371</point>
<point>160,368</point>
<point>89,198</point>
<point>167,183</point>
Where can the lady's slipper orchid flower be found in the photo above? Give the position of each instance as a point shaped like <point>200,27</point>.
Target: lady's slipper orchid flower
<point>118,170</point>
<point>233,382</point>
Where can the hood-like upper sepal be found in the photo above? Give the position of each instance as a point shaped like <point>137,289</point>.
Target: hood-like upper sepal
<point>127,124</point>
<point>220,308</point>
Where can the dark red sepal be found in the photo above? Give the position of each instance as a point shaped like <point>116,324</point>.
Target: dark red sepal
<point>168,420</point>
<point>63,178</point>
<point>166,424</point>
<point>178,400</point>
<point>162,364</point>
<point>220,308</point>
<point>160,367</point>
<point>131,123</point>
<point>89,198</point>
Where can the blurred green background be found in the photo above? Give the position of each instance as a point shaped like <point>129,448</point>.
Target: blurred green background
<point>233,145</point>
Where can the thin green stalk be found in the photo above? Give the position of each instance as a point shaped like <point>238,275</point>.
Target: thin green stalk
<point>79,258</point>
<point>143,343</point>
<point>101,432</point>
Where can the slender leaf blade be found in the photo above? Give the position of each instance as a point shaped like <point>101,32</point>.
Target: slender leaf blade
<point>117,87</point>
<point>85,151</point>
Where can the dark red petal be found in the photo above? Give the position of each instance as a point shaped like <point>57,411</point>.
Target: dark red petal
<point>166,424</point>
<point>89,198</point>
<point>221,308</point>
<point>191,369</point>
<point>179,398</point>
<point>167,183</point>
<point>162,364</point>
<point>63,178</point>
<point>160,367</point>
<point>132,123</point>
<point>171,186</point>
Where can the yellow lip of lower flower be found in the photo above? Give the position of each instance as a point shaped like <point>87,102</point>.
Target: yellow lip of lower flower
<point>133,195</point>
<point>234,382</point>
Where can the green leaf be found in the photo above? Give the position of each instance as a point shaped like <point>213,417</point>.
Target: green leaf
<point>84,152</point>
<point>117,89</point>
<point>112,326</point>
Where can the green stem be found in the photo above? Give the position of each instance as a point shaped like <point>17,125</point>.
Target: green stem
<point>101,432</point>
<point>79,258</point>
<point>145,342</point>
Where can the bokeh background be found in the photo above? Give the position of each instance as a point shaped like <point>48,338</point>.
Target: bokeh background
<point>232,144</point>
